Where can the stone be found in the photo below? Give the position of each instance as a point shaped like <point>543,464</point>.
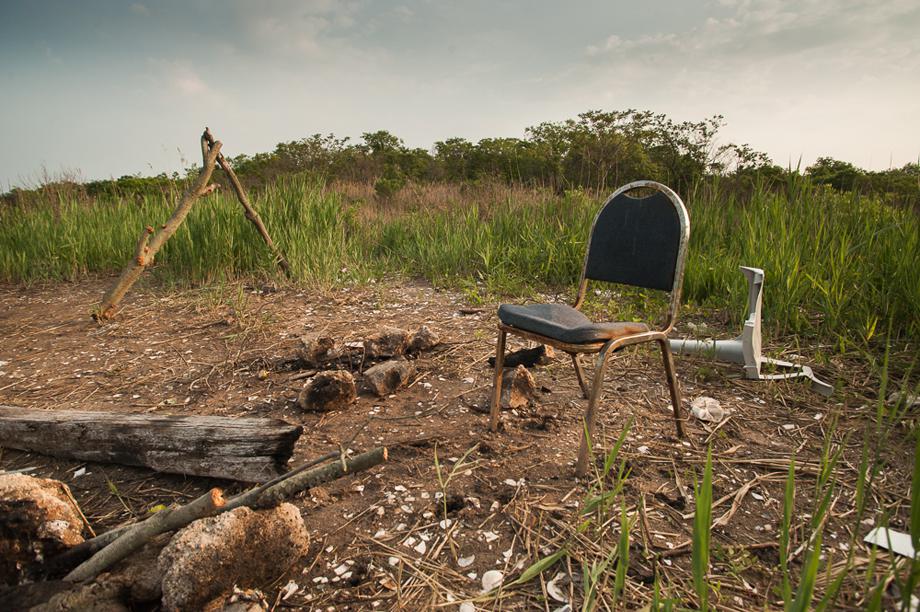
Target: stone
<point>388,342</point>
<point>519,389</point>
<point>242,547</point>
<point>329,390</point>
<point>38,520</point>
<point>707,409</point>
<point>422,339</point>
<point>314,350</point>
<point>385,378</point>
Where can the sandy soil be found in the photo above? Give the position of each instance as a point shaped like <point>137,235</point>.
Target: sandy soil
<point>379,538</point>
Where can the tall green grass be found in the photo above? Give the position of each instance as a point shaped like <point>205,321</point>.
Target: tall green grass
<point>836,265</point>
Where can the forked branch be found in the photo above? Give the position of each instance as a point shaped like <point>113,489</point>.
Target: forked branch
<point>152,241</point>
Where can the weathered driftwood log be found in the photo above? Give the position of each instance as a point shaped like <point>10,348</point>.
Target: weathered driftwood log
<point>251,212</point>
<point>152,241</point>
<point>165,520</point>
<point>265,496</point>
<point>246,449</point>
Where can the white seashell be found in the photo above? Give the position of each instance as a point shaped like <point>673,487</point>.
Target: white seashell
<point>491,580</point>
<point>707,409</point>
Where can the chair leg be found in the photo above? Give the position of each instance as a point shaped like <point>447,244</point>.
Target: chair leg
<point>580,375</point>
<point>597,389</point>
<point>497,381</point>
<point>668,360</point>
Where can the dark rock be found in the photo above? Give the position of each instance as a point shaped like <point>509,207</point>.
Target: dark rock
<point>423,339</point>
<point>519,390</point>
<point>540,355</point>
<point>388,342</point>
<point>329,390</point>
<point>385,378</point>
<point>314,350</point>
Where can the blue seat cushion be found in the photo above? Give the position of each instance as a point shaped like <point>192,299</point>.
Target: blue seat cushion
<point>564,323</point>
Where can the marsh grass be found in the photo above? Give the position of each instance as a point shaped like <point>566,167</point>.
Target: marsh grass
<point>810,575</point>
<point>837,265</point>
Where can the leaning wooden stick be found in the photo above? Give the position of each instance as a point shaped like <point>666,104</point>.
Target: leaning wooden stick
<point>151,242</point>
<point>165,520</point>
<point>115,545</point>
<point>288,487</point>
<point>251,212</point>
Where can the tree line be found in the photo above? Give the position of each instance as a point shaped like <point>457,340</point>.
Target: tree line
<point>598,150</point>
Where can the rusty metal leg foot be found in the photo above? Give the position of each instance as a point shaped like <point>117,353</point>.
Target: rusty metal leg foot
<point>673,385</point>
<point>584,459</point>
<point>580,375</point>
<point>495,412</point>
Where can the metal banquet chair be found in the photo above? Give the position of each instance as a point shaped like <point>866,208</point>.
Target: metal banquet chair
<point>639,241</point>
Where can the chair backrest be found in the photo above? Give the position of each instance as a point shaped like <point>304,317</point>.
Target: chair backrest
<point>640,241</point>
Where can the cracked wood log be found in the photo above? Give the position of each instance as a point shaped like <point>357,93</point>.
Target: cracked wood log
<point>152,241</point>
<point>251,213</point>
<point>245,449</point>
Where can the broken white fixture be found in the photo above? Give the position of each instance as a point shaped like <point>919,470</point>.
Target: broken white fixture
<point>745,349</point>
<point>895,541</point>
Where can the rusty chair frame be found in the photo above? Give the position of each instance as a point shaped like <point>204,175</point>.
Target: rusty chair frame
<point>630,335</point>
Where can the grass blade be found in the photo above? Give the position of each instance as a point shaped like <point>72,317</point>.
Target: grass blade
<point>702,524</point>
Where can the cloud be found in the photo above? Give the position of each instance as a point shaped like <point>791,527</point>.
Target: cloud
<point>404,12</point>
<point>313,29</point>
<point>178,77</point>
<point>808,77</point>
<point>764,30</point>
<point>189,83</point>
<point>140,9</point>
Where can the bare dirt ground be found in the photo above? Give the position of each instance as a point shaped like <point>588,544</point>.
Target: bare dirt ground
<point>379,538</point>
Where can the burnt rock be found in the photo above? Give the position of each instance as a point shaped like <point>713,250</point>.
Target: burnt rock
<point>423,339</point>
<point>388,342</point>
<point>314,350</point>
<point>329,390</point>
<point>38,521</point>
<point>385,378</point>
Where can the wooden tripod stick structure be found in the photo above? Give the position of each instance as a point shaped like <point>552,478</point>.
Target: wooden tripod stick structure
<point>251,212</point>
<point>151,241</point>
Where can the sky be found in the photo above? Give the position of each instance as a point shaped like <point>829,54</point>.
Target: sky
<point>102,88</point>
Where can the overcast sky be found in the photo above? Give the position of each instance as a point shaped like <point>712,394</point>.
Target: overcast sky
<point>111,88</point>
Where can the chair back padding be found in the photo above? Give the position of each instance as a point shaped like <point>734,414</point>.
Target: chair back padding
<point>637,241</point>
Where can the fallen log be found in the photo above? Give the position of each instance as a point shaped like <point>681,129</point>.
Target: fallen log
<point>245,449</point>
<point>125,540</point>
